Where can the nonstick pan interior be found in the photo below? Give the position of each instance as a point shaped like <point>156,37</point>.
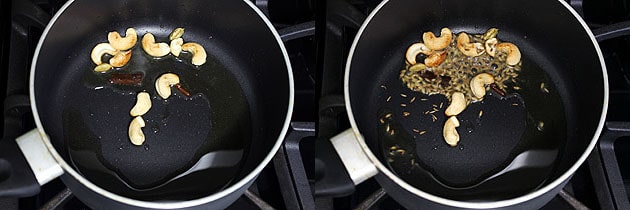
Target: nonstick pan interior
<point>556,51</point>
<point>239,100</point>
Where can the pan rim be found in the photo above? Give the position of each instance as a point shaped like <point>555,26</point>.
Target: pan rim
<point>164,204</point>
<point>464,204</point>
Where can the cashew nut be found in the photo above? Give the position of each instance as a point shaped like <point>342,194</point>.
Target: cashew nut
<point>438,43</point>
<point>135,131</point>
<point>491,46</point>
<point>120,59</point>
<point>163,84</point>
<point>152,48</point>
<point>458,104</point>
<point>414,50</point>
<point>104,67</point>
<point>177,33</point>
<point>478,84</point>
<point>100,50</point>
<point>435,59</point>
<point>121,43</point>
<point>450,132</point>
<point>513,54</point>
<point>467,48</point>
<point>199,54</point>
<point>143,104</point>
<point>176,46</point>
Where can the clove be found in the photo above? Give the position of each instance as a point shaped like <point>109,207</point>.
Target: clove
<point>497,90</point>
<point>181,89</point>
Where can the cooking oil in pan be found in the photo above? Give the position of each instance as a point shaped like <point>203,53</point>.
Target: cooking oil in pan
<point>179,131</point>
<point>508,145</point>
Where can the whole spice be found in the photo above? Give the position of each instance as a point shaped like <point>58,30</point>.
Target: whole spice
<point>181,89</point>
<point>428,75</point>
<point>543,88</point>
<point>497,90</point>
<point>177,33</point>
<point>126,79</point>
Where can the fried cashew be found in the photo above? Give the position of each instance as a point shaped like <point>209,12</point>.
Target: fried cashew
<point>143,104</point>
<point>120,59</point>
<point>450,132</point>
<point>478,84</point>
<point>163,84</point>
<point>176,46</point>
<point>458,104</point>
<point>513,54</point>
<point>491,46</point>
<point>152,48</point>
<point>101,49</point>
<point>136,136</point>
<point>435,59</point>
<point>198,53</point>
<point>438,43</point>
<point>414,50</point>
<point>123,43</point>
<point>467,48</point>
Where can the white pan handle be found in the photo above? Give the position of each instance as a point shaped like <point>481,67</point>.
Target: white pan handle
<point>38,157</point>
<point>353,157</point>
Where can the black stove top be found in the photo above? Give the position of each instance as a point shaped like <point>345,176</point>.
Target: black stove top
<point>318,35</point>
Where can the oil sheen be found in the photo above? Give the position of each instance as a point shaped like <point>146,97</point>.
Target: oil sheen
<point>508,145</point>
<point>178,131</point>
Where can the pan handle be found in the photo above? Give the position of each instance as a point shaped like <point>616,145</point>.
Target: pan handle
<point>22,173</point>
<point>39,158</point>
<point>357,163</point>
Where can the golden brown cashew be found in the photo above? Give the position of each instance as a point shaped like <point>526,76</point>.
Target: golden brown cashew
<point>478,84</point>
<point>435,59</point>
<point>467,48</point>
<point>100,50</point>
<point>152,48</point>
<point>438,43</point>
<point>450,132</point>
<point>120,59</point>
<point>198,53</point>
<point>513,54</point>
<point>123,43</point>
<point>414,50</point>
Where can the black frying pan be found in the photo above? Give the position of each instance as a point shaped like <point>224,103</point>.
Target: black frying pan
<point>236,112</point>
<point>503,154</point>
